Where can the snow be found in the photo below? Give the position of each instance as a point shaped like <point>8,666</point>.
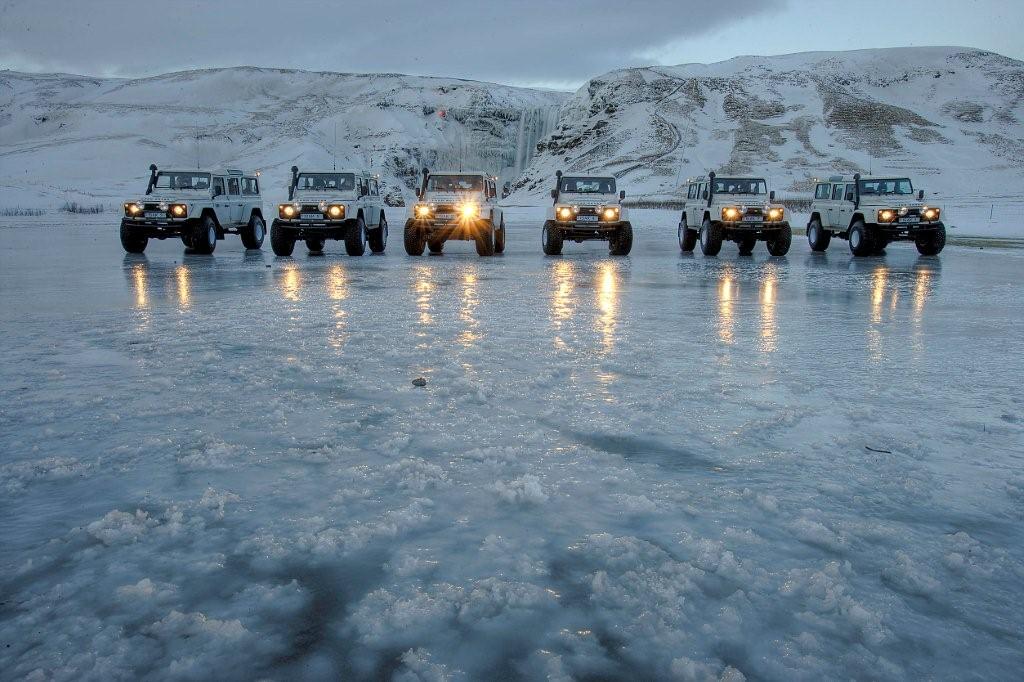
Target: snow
<point>649,467</point>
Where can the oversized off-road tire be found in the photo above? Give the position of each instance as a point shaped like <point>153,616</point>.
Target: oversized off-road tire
<point>415,240</point>
<point>551,239</point>
<point>499,238</point>
<point>778,244</point>
<point>710,238</point>
<point>687,237</point>
<point>621,242</point>
<point>132,243</point>
<point>746,245</point>
<point>485,239</point>
<point>931,244</point>
<point>861,243</point>
<point>204,235</point>
<point>315,245</point>
<point>378,238</point>
<point>186,239</point>
<point>281,240</point>
<point>818,238</point>
<point>252,234</point>
<point>355,238</point>
<point>435,244</point>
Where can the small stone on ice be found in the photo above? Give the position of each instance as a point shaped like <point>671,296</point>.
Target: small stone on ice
<point>419,381</point>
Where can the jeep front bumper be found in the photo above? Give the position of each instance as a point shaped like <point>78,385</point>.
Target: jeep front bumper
<point>906,231</point>
<point>158,228</point>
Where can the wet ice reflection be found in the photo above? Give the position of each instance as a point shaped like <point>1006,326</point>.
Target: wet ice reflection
<point>607,304</point>
<point>140,284</point>
<point>182,278</point>
<point>337,291</point>
<point>562,301</point>
<point>469,300</point>
<point>726,294</point>
<point>290,282</point>
<point>768,295</point>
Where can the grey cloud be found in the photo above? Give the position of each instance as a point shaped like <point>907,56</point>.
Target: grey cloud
<point>526,41</point>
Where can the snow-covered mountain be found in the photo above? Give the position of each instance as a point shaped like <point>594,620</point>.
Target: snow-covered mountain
<point>949,117</point>
<point>91,139</point>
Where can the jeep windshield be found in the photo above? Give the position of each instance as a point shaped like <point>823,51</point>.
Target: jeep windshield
<point>183,181</point>
<point>326,182</point>
<point>455,183</point>
<point>740,186</point>
<point>886,186</point>
<point>588,185</point>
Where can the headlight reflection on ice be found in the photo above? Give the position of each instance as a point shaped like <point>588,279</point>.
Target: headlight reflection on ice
<point>726,320</point>
<point>608,303</point>
<point>183,278</point>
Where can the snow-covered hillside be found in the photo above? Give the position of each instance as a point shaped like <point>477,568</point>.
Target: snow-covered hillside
<point>76,138</point>
<point>949,117</point>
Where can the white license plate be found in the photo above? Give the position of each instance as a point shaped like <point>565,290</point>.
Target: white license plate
<point>155,214</point>
<point>312,216</point>
<point>753,219</point>
<point>444,216</point>
<point>909,219</point>
<point>586,218</point>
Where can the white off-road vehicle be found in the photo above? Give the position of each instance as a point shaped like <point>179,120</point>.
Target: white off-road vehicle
<point>871,212</point>
<point>199,206</point>
<point>587,207</point>
<point>736,209</point>
<point>343,205</point>
<point>455,205</point>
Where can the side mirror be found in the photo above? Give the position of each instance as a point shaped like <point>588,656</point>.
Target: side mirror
<point>771,196</point>
<point>554,194</point>
<point>622,194</point>
<point>920,194</point>
<point>704,195</point>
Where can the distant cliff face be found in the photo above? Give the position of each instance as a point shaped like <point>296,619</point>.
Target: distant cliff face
<point>64,136</point>
<point>949,117</point>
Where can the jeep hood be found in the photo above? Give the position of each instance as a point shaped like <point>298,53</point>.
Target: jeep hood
<point>588,199</point>
<point>308,197</point>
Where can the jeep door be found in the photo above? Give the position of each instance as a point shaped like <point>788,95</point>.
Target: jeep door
<point>221,202</point>
<point>250,197</point>
<point>834,207</point>
<point>374,201</point>
<point>844,208</point>
<point>235,201</point>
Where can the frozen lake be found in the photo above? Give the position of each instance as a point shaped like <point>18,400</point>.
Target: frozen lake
<point>660,466</point>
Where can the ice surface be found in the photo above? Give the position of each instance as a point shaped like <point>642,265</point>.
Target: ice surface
<point>645,467</point>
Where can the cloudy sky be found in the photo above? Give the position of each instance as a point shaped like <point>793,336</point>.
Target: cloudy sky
<point>552,43</point>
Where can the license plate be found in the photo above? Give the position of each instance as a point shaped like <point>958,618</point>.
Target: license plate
<point>312,216</point>
<point>155,214</point>
<point>586,218</point>
<point>444,216</point>
<point>909,219</point>
<point>753,219</point>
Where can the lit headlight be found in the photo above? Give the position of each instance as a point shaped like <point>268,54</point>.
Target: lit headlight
<point>422,211</point>
<point>776,214</point>
<point>610,214</point>
<point>468,210</point>
<point>730,213</point>
<point>930,213</point>
<point>565,213</point>
<point>179,210</point>
<point>287,211</point>
<point>886,216</point>
<point>132,209</point>
<point>336,211</point>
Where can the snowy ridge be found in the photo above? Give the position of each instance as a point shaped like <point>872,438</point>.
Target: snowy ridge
<point>949,117</point>
<point>72,137</point>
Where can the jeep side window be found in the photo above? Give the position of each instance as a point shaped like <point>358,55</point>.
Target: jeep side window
<point>374,188</point>
<point>233,186</point>
<point>250,187</point>
<point>692,192</point>
<point>837,192</point>
<point>849,192</point>
<point>821,192</point>
<point>218,187</point>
